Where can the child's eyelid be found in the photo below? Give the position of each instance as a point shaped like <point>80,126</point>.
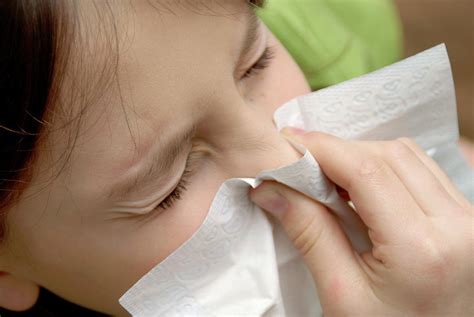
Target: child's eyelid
<point>185,178</point>
<point>261,64</point>
<point>254,53</point>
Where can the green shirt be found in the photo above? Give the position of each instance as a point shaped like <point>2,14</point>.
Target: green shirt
<point>335,40</point>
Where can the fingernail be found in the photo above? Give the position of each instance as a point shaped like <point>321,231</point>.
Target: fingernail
<point>270,200</point>
<point>290,131</point>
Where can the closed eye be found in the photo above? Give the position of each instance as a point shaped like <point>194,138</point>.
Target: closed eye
<point>178,191</point>
<point>262,63</point>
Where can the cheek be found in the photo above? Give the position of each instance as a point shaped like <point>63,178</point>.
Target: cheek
<point>177,225</point>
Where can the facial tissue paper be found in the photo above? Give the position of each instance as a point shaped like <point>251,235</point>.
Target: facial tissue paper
<point>241,263</point>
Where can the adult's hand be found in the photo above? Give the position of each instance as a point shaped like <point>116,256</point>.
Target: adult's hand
<point>421,227</point>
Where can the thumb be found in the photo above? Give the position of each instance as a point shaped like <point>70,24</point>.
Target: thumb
<point>315,232</point>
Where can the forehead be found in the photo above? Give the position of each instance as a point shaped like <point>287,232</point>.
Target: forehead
<point>136,44</point>
<point>104,33</point>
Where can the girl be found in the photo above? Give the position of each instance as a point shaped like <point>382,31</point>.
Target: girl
<point>113,112</point>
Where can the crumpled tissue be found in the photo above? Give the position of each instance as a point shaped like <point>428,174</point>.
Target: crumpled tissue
<point>241,263</point>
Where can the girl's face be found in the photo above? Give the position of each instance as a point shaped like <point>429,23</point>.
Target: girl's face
<point>184,111</point>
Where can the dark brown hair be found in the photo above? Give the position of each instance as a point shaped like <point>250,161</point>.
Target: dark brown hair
<point>29,41</point>
<point>27,60</point>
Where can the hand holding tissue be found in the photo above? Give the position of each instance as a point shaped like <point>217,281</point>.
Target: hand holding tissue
<point>242,263</point>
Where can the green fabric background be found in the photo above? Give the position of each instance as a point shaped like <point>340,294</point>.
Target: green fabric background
<point>335,40</point>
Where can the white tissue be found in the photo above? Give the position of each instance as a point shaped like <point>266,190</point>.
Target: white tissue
<point>413,98</point>
<point>239,263</point>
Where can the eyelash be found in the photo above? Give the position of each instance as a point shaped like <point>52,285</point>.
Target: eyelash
<point>262,63</point>
<point>177,192</point>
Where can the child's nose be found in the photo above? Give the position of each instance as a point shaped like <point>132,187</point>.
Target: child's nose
<point>254,144</point>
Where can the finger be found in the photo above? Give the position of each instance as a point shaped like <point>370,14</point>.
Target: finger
<point>420,182</point>
<point>315,233</point>
<point>380,198</point>
<point>437,172</point>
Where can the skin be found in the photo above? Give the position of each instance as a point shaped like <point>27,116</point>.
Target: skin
<point>420,226</point>
<point>174,71</point>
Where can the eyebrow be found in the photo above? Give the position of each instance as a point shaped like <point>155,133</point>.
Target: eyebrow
<point>159,166</point>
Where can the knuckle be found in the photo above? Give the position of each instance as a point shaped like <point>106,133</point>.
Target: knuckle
<point>430,267</point>
<point>408,141</point>
<point>308,237</point>
<point>371,167</point>
<point>380,253</point>
<point>461,209</point>
<point>398,150</point>
<point>436,260</point>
